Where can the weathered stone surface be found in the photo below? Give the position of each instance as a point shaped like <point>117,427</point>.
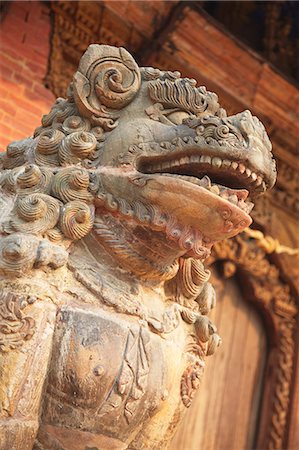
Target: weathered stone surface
<point>109,212</point>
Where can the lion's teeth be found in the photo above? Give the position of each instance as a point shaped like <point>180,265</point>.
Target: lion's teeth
<point>206,181</point>
<point>215,189</point>
<point>205,159</point>
<point>242,168</point>
<point>248,172</point>
<point>234,165</point>
<point>259,180</point>
<point>194,158</point>
<point>249,206</point>
<point>184,160</point>
<point>226,163</point>
<point>254,176</point>
<point>224,194</point>
<point>233,199</point>
<point>216,161</point>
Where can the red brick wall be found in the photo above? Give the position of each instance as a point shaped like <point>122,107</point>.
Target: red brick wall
<point>24,51</point>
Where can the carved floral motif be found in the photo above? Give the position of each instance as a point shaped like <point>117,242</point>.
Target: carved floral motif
<point>15,326</point>
<point>190,382</point>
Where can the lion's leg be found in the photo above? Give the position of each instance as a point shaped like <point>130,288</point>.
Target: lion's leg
<point>26,330</point>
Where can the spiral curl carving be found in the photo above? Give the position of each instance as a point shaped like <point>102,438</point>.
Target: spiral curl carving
<point>206,300</point>
<point>98,133</point>
<point>9,180</point>
<point>30,177</point>
<point>115,86</point>
<point>31,209</point>
<point>191,287</point>
<point>189,316</point>
<point>14,157</point>
<point>33,179</point>
<point>76,147</point>
<point>108,77</point>
<point>75,123</point>
<point>35,214</point>
<point>72,184</point>
<point>46,153</point>
<point>55,235</point>
<point>59,112</point>
<point>76,220</point>
<point>204,328</point>
<point>214,342</point>
<point>219,131</point>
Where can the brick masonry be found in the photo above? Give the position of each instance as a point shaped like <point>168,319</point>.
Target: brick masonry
<point>24,51</point>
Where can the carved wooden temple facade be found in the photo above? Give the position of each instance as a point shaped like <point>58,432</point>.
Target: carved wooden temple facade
<point>249,397</point>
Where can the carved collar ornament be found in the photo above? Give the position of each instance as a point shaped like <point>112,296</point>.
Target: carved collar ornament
<point>108,212</point>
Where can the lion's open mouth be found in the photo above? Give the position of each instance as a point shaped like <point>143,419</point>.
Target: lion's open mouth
<point>231,180</point>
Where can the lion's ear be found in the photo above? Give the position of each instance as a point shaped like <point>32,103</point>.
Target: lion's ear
<point>107,77</point>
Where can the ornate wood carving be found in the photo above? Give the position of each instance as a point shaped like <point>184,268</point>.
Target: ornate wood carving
<point>111,208</point>
<point>285,195</point>
<point>77,24</point>
<point>15,327</point>
<point>73,30</point>
<point>265,287</point>
<point>272,32</point>
<point>75,27</point>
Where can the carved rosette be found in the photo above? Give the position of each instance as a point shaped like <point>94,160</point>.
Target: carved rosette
<point>107,80</point>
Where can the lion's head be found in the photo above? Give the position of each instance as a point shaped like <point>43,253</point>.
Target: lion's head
<point>142,145</point>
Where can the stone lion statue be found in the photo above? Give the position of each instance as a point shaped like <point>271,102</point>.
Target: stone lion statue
<point>107,215</point>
